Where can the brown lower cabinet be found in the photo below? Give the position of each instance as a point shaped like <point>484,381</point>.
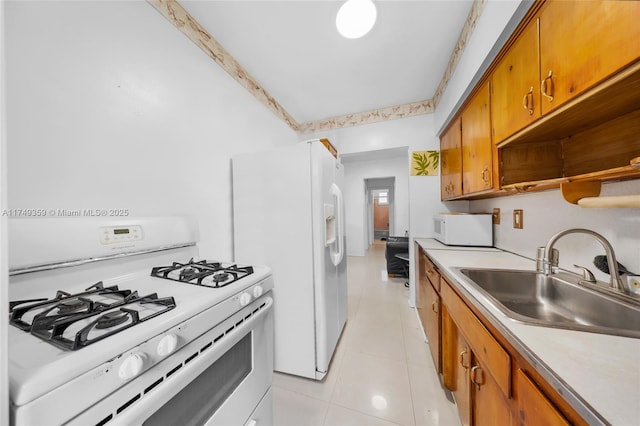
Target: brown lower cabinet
<point>428,304</point>
<point>480,367</point>
<point>491,382</point>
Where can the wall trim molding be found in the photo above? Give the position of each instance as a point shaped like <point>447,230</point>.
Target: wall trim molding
<point>181,19</point>
<point>368,117</point>
<point>461,44</point>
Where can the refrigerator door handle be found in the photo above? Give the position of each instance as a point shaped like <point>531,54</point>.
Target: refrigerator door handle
<point>338,254</point>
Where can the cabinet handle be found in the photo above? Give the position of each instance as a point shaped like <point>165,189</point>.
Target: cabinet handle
<point>485,175</point>
<point>462,363</point>
<point>434,306</point>
<point>476,376</point>
<point>543,86</point>
<point>449,188</point>
<point>525,101</point>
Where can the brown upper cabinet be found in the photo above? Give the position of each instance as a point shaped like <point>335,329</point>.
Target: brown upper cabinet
<point>477,167</point>
<point>565,50</point>
<point>583,42</point>
<point>466,150</point>
<point>563,103</point>
<point>451,161</point>
<point>515,86</point>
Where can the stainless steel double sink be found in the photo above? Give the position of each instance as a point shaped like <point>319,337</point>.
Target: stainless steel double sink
<point>559,300</point>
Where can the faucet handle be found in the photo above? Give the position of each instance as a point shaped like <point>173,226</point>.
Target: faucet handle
<point>587,275</point>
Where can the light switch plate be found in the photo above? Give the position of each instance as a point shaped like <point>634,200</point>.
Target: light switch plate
<point>518,218</point>
<point>496,216</point>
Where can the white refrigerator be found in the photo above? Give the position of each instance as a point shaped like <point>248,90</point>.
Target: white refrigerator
<point>288,214</point>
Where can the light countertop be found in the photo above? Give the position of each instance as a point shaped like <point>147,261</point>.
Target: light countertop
<point>598,374</point>
<point>433,244</point>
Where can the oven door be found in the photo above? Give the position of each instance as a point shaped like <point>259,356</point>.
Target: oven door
<point>218,379</point>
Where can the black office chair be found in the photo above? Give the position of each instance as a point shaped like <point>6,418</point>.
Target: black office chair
<point>404,258</point>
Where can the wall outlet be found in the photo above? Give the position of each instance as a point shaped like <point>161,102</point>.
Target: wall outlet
<point>496,216</point>
<point>518,218</point>
<point>634,283</point>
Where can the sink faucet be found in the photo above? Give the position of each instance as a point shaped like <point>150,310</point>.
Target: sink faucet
<point>550,260</point>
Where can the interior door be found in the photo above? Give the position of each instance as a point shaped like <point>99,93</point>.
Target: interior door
<point>380,219</point>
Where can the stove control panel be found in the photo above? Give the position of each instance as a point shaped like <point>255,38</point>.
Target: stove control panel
<point>120,234</point>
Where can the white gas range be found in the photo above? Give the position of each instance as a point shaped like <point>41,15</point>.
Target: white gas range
<point>117,321</point>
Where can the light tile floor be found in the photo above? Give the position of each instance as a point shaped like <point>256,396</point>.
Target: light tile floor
<point>382,372</point>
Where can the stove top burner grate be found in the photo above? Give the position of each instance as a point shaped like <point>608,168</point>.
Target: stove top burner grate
<point>72,321</point>
<point>203,273</point>
<point>63,304</point>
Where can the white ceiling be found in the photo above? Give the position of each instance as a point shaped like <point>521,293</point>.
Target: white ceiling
<point>292,49</point>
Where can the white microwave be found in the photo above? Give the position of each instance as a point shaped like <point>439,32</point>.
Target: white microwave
<point>464,229</point>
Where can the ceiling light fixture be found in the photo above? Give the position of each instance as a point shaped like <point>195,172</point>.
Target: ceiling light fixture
<point>356,18</point>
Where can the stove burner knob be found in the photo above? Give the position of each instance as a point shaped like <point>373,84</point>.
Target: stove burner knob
<point>257,291</point>
<point>132,366</point>
<point>167,345</point>
<point>245,298</point>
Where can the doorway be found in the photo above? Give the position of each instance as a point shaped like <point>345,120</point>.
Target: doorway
<point>380,212</point>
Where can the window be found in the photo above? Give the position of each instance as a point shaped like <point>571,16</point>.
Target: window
<point>383,198</point>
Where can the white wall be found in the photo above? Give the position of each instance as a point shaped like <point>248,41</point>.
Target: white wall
<point>110,106</point>
<point>355,201</point>
<point>546,213</point>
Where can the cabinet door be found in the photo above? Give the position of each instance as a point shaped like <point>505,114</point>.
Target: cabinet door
<point>431,323</point>
<point>583,42</point>
<point>490,407</point>
<point>515,86</point>
<point>477,167</point>
<point>428,306</point>
<point>533,406</point>
<point>462,392</point>
<point>451,162</point>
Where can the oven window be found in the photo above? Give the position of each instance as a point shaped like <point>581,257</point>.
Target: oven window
<point>201,398</point>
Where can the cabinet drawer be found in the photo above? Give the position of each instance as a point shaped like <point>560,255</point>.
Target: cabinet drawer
<point>432,273</point>
<point>533,406</point>
<point>484,346</point>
